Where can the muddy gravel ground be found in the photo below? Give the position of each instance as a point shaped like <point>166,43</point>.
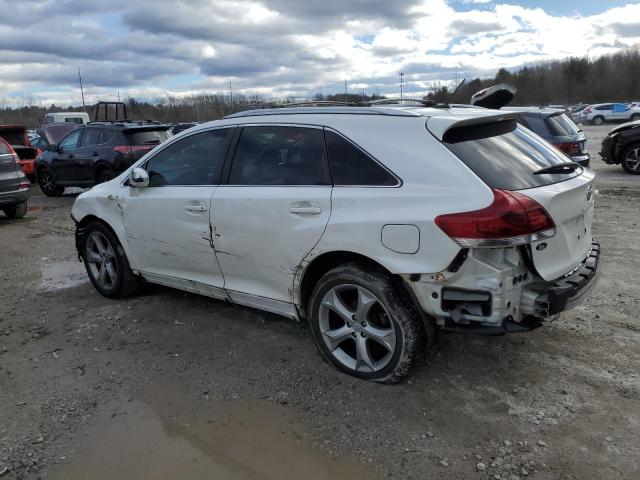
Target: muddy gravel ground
<point>169,385</point>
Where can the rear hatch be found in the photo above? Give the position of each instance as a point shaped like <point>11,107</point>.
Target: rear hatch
<point>9,179</point>
<point>14,135</point>
<point>494,97</point>
<point>143,139</point>
<point>511,158</point>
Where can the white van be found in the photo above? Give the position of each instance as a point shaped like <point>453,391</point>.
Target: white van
<point>80,118</point>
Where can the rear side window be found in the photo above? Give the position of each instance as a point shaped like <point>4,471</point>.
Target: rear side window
<point>506,156</point>
<point>352,166</point>
<point>146,137</point>
<point>275,155</point>
<point>561,125</point>
<point>91,137</point>
<point>193,160</point>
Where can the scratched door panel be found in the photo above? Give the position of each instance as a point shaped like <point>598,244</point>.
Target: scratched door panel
<point>168,232</point>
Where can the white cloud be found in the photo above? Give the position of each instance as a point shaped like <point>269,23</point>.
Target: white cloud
<point>283,47</point>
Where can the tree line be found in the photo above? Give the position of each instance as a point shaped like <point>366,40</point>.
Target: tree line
<point>614,77</point>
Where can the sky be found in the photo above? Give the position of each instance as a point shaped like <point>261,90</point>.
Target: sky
<point>280,48</point>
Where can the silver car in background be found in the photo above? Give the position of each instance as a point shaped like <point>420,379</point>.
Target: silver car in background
<point>599,113</point>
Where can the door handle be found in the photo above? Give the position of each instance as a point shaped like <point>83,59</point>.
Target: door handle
<point>306,210</point>
<point>195,208</point>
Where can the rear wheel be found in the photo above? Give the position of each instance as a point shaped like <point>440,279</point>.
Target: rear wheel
<point>635,116</point>
<point>106,263</point>
<point>105,175</point>
<point>47,183</point>
<point>631,159</point>
<point>16,211</point>
<point>598,120</point>
<point>364,325</point>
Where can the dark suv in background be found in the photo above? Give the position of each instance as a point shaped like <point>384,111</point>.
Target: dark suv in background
<point>556,128</point>
<point>96,153</point>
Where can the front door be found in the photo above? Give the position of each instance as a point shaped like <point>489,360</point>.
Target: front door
<point>167,223</point>
<point>272,211</point>
<point>66,167</point>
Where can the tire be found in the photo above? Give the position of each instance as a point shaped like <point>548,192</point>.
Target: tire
<point>105,175</point>
<point>630,159</point>
<point>598,120</point>
<point>47,183</point>
<point>16,211</point>
<point>635,116</point>
<point>380,346</point>
<point>106,263</point>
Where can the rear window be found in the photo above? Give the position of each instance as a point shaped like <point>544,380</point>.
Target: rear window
<point>13,136</point>
<point>78,120</point>
<point>146,137</point>
<point>561,125</point>
<point>506,156</point>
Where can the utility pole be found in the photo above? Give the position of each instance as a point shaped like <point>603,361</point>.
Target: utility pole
<point>345,91</point>
<point>81,89</point>
<point>401,83</point>
<point>230,94</point>
<point>321,95</point>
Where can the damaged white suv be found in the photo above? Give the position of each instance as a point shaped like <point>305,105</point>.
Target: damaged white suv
<point>377,224</point>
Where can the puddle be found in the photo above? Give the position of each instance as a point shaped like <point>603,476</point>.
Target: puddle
<point>240,440</point>
<point>61,275</point>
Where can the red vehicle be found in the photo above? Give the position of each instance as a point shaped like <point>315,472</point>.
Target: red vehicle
<point>16,136</point>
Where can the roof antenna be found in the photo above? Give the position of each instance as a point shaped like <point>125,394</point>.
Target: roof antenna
<point>453,94</point>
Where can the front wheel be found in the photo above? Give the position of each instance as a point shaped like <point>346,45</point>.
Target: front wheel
<point>106,263</point>
<point>631,159</point>
<point>364,324</point>
<point>16,211</point>
<point>47,183</point>
<point>105,175</point>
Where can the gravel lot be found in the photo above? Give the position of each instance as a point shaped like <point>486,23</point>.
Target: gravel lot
<point>173,385</point>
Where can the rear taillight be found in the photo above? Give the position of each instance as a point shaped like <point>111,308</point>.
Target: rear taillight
<point>132,152</point>
<point>512,219</point>
<point>587,110</point>
<point>569,148</point>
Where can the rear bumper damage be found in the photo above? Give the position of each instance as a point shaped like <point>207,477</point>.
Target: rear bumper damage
<point>497,291</point>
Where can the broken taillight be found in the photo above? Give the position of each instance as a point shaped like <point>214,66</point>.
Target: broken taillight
<point>512,219</point>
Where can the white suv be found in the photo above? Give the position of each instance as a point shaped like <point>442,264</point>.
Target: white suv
<point>376,224</point>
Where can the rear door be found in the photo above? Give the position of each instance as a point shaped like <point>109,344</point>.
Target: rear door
<point>9,180</point>
<point>87,153</point>
<point>272,211</point>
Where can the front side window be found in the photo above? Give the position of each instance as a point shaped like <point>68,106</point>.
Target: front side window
<point>604,107</point>
<point>352,166</point>
<point>275,155</point>
<point>193,160</point>
<point>71,140</point>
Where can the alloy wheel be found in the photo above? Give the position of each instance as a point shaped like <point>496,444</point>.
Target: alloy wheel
<point>633,160</point>
<point>46,182</point>
<point>356,328</point>
<point>101,259</point>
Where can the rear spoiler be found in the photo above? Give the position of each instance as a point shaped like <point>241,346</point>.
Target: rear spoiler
<point>439,125</point>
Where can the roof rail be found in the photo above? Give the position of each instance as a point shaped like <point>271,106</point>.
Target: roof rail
<point>419,101</point>
<point>318,103</point>
<point>328,109</point>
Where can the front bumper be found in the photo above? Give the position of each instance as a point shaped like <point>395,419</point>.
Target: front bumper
<point>607,151</point>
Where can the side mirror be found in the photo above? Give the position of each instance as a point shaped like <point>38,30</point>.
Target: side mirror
<point>139,178</point>
<point>52,147</point>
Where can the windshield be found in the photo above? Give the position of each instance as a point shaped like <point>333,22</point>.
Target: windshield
<point>506,156</point>
<point>561,125</point>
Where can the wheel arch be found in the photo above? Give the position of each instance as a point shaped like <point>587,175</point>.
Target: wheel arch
<point>99,167</point>
<point>81,227</point>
